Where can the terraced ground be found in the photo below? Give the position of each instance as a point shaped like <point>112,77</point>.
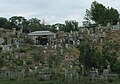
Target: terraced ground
<point>34,81</point>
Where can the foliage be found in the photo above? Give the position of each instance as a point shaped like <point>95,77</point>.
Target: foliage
<point>70,25</point>
<point>17,22</point>
<point>116,67</point>
<point>28,40</point>
<point>89,55</point>
<point>34,24</point>
<point>100,14</point>
<point>109,53</point>
<point>2,22</point>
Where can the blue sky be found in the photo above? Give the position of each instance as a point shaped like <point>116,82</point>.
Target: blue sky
<point>52,11</point>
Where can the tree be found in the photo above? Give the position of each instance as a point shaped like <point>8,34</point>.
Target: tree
<point>53,28</point>
<point>17,22</point>
<point>116,68</point>
<point>8,25</point>
<point>109,52</point>
<point>70,25</point>
<point>60,27</point>
<point>100,14</point>
<point>89,55</point>
<point>88,16</point>
<point>34,24</point>
<point>2,22</point>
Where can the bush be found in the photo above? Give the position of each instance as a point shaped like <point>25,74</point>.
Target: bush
<point>116,68</point>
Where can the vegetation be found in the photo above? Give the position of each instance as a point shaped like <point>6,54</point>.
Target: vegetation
<point>32,80</point>
<point>34,24</point>
<point>29,61</point>
<point>100,14</point>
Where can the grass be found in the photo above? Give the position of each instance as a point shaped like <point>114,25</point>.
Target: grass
<point>35,81</point>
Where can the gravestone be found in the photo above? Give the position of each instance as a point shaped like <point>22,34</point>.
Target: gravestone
<point>78,42</point>
<point>61,51</point>
<point>71,66</point>
<point>92,75</point>
<point>5,47</point>
<point>55,46</point>
<point>105,74</point>
<point>66,45</point>
<point>73,43</point>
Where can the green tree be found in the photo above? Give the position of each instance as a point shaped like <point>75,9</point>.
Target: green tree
<point>61,27</point>
<point>34,24</point>
<point>100,14</point>
<point>17,22</point>
<point>8,25</point>
<point>116,68</point>
<point>89,55</point>
<point>53,28</point>
<point>109,52</point>
<point>2,22</point>
<point>70,25</point>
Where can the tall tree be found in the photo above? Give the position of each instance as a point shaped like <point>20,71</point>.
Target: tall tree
<point>109,53</point>
<point>34,24</point>
<point>70,25</point>
<point>100,14</point>
<point>17,21</point>
<point>89,55</point>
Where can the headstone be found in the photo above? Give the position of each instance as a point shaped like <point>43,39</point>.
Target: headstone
<point>101,40</point>
<point>60,40</point>
<point>3,47</point>
<point>36,68</point>
<point>66,45</point>
<point>17,44</point>
<point>62,51</point>
<point>108,25</point>
<point>14,30</point>
<point>59,45</point>
<point>71,32</point>
<point>82,69</point>
<point>73,43</point>
<point>76,33</point>
<point>47,44</point>
<point>88,31</point>
<point>52,46</point>
<point>44,51</point>
<point>24,63</point>
<point>71,65</point>
<point>106,73</point>
<point>118,23</point>
<point>71,75</point>
<point>21,31</point>
<point>55,46</point>
<point>92,75</point>
<point>65,76</point>
<point>78,42</point>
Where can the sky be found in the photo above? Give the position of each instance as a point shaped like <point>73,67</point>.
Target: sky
<point>51,11</point>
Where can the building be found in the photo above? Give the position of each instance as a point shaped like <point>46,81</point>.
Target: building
<point>115,24</point>
<point>42,37</point>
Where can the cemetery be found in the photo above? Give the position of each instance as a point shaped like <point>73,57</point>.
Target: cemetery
<point>57,56</point>
<point>34,52</point>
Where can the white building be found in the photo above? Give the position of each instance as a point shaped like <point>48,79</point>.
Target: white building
<point>42,37</point>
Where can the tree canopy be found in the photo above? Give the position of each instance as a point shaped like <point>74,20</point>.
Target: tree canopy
<point>101,14</point>
<point>35,24</point>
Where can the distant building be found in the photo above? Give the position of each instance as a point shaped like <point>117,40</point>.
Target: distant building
<point>115,25</point>
<point>42,37</point>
